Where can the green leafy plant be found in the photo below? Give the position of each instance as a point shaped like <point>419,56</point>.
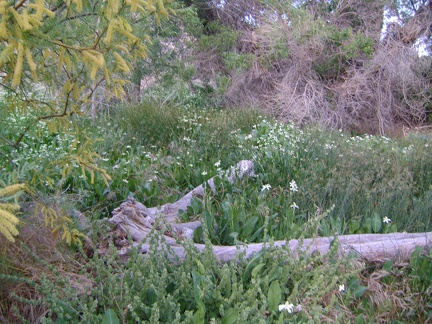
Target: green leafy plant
<point>8,219</point>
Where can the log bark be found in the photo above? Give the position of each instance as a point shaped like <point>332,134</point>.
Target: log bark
<point>138,220</point>
<point>134,219</point>
<point>368,247</point>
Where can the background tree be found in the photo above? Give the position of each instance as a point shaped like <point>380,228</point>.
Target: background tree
<point>54,55</point>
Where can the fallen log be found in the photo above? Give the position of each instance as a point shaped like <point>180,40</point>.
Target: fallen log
<point>134,219</point>
<point>138,220</point>
<point>368,247</point>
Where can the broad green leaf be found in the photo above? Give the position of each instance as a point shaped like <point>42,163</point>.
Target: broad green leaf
<point>257,270</point>
<point>110,317</point>
<point>367,225</point>
<point>376,223</point>
<point>230,316</point>
<point>249,226</point>
<point>252,264</point>
<point>360,320</point>
<point>354,226</point>
<point>151,295</point>
<point>199,315</point>
<point>387,265</point>
<point>353,283</point>
<point>274,296</point>
<point>359,291</point>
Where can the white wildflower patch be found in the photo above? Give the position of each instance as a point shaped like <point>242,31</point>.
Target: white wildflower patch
<point>266,187</point>
<point>294,206</point>
<point>293,186</point>
<point>286,307</point>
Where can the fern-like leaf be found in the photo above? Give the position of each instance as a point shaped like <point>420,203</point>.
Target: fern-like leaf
<point>8,220</point>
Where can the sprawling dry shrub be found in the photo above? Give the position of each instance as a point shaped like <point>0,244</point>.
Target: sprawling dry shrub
<point>389,90</point>
<point>333,71</point>
<point>37,252</point>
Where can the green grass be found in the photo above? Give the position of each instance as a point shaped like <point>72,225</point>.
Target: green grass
<point>356,177</point>
<point>307,183</point>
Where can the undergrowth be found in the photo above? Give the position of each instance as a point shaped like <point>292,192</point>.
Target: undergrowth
<point>307,183</point>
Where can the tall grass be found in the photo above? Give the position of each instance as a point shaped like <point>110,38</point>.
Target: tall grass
<point>159,158</point>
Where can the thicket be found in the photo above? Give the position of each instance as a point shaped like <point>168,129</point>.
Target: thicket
<point>332,64</point>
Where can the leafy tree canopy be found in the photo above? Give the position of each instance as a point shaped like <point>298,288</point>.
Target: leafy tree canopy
<point>69,48</point>
<point>54,54</point>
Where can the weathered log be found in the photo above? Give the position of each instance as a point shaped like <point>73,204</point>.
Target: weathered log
<point>137,220</point>
<point>368,247</point>
<point>134,219</point>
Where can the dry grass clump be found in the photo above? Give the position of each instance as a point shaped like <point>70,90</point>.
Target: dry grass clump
<point>334,71</point>
<point>387,91</point>
<point>37,252</point>
<point>372,97</point>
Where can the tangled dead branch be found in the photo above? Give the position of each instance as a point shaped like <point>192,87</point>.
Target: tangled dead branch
<point>331,68</point>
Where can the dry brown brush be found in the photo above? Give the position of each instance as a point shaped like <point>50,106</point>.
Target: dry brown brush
<point>333,70</point>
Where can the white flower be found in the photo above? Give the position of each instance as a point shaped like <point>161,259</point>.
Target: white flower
<point>294,206</point>
<point>204,173</point>
<point>386,220</point>
<point>287,306</point>
<point>217,164</point>
<point>293,186</point>
<point>341,288</point>
<point>266,187</point>
<point>125,181</point>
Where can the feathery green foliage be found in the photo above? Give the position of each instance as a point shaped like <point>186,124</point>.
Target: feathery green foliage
<point>53,57</point>
<point>8,220</point>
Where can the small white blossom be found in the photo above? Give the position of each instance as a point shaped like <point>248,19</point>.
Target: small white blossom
<point>217,164</point>
<point>125,181</point>
<point>204,173</point>
<point>293,186</point>
<point>341,288</point>
<point>287,306</point>
<point>266,187</point>
<point>386,220</point>
<point>294,206</point>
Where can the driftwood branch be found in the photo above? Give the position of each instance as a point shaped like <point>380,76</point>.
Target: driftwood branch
<point>134,219</point>
<point>138,220</point>
<point>370,247</point>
